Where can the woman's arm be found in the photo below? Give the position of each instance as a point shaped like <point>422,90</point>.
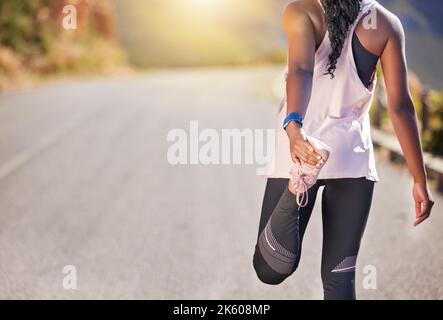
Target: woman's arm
<point>403,116</point>
<point>301,41</point>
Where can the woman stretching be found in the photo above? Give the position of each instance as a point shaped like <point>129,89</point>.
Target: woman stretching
<point>334,47</point>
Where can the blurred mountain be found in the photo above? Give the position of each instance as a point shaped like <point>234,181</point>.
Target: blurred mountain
<point>423,24</point>
<point>213,32</point>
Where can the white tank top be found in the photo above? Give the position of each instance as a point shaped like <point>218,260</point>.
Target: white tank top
<point>337,114</point>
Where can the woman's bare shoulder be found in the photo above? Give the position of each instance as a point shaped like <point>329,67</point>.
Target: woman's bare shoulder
<point>302,7</point>
<point>387,22</point>
<point>378,27</point>
<point>298,13</point>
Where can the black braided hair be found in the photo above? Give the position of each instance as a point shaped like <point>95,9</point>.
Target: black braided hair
<point>340,15</point>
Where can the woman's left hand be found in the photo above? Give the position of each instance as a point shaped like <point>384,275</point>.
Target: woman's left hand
<point>423,202</point>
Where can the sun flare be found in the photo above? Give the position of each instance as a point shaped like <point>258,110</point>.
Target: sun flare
<point>206,5</point>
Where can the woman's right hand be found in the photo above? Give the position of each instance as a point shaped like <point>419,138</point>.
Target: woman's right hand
<point>300,148</point>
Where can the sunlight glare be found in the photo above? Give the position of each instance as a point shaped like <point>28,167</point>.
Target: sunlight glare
<point>206,5</point>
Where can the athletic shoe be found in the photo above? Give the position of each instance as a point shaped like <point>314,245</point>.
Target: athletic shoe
<point>305,175</point>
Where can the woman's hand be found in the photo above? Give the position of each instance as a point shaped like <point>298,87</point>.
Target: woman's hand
<point>300,148</point>
<point>423,202</point>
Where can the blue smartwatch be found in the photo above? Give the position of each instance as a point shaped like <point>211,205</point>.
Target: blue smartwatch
<point>292,117</point>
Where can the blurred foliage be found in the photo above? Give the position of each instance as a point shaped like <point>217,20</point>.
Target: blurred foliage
<point>34,42</point>
<point>23,27</point>
<point>433,139</point>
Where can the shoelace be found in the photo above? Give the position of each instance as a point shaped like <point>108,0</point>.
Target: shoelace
<point>303,201</point>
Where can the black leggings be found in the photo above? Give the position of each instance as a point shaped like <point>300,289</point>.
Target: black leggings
<point>345,207</point>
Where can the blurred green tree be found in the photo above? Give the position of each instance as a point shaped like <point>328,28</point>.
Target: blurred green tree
<point>24,27</point>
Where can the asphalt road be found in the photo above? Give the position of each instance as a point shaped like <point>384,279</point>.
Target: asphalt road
<point>85,181</point>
